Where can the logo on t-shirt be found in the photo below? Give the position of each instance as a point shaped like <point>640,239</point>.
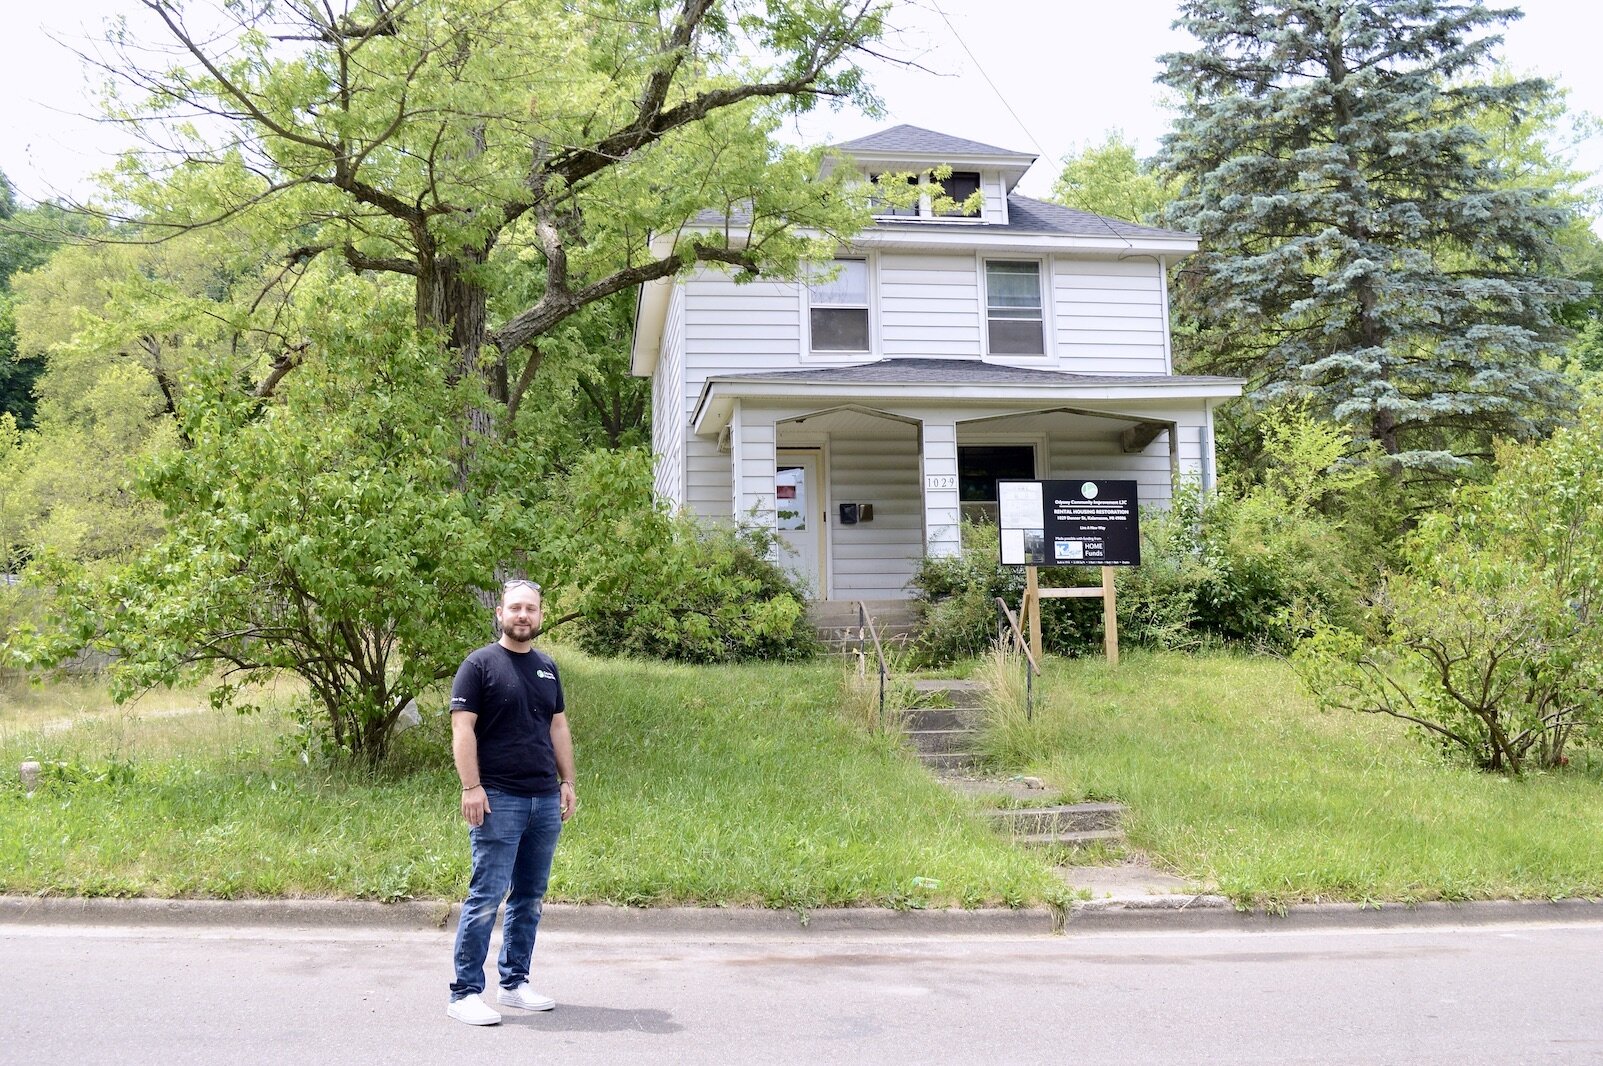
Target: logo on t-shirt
<point>547,674</point>
<point>459,701</point>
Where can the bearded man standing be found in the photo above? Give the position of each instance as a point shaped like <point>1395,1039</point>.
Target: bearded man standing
<point>513,751</point>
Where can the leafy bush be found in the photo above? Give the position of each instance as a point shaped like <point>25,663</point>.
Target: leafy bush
<point>960,620</point>
<point>1247,565</point>
<point>648,583</point>
<point>705,594</point>
<point>1487,640</point>
<point>1250,564</point>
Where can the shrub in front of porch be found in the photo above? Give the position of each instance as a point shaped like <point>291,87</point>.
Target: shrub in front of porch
<point>699,594</point>
<point>961,591</point>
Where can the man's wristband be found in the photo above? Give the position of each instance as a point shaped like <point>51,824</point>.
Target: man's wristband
<point>568,783</point>
<point>470,788</point>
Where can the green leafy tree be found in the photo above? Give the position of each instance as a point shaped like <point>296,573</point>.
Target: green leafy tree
<point>1487,639</point>
<point>270,510</point>
<point>1364,246</point>
<point>1110,179</point>
<point>512,164</point>
<point>24,244</point>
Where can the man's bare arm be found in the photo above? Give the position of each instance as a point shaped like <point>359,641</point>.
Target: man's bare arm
<point>562,748</point>
<point>465,751</point>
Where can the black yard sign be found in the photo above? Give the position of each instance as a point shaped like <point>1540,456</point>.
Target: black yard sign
<point>1069,523</point>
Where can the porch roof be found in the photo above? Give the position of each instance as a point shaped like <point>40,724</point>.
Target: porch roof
<point>946,382</point>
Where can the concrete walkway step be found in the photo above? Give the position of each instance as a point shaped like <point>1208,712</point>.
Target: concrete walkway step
<point>920,718</point>
<point>931,741</point>
<point>1073,840</point>
<point>949,760</point>
<point>1059,818</point>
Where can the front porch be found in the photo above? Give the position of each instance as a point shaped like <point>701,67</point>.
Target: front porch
<point>859,487</point>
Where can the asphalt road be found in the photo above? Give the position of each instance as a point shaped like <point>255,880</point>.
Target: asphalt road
<point>1460,996</point>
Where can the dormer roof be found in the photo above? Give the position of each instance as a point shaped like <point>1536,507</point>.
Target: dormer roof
<point>918,141</point>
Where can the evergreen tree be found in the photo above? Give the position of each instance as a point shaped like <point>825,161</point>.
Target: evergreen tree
<point>1363,247</point>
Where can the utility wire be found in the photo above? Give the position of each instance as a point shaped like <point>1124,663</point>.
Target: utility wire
<point>1038,147</point>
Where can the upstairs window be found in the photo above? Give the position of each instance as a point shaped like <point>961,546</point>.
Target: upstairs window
<point>889,210</point>
<point>1013,308</point>
<point>840,308</point>
<point>960,185</point>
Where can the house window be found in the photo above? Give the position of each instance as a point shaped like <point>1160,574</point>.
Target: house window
<point>960,185</point>
<point>980,467</point>
<point>840,308</point>
<point>883,209</point>
<point>1013,308</point>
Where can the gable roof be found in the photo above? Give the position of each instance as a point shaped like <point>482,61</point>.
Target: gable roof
<point>916,140</point>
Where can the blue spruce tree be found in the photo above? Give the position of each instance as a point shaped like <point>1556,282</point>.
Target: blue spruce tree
<point>1363,248</point>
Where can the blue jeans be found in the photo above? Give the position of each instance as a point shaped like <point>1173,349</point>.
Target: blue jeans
<point>512,853</point>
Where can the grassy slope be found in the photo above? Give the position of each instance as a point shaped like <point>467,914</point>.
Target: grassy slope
<point>1233,776</point>
<point>711,785</point>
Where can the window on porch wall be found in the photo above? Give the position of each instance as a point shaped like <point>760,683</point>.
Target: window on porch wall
<point>980,467</point>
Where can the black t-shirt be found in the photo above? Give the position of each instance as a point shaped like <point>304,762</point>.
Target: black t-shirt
<point>515,695</point>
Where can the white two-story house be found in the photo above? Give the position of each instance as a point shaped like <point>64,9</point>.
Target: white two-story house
<point>861,416</point>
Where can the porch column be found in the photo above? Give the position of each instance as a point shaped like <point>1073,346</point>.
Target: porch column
<point>751,448</point>
<point>938,447</point>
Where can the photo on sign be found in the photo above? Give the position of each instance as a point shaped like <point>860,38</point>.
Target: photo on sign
<point>1023,547</point>
<point>1068,551</point>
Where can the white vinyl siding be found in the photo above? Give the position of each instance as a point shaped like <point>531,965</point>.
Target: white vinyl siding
<point>668,415</point>
<point>1109,316</point>
<point>929,305</point>
<point>876,559</point>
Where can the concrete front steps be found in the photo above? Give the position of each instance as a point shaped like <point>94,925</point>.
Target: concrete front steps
<point>839,623</point>
<point>943,733</point>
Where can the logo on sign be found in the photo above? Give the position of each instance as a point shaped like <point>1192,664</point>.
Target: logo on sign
<point>1088,490</point>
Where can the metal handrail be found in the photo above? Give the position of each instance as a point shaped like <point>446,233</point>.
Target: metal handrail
<point>1031,667</point>
<point>865,624</point>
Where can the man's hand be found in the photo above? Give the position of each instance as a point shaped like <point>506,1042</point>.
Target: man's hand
<point>475,805</point>
<point>570,799</point>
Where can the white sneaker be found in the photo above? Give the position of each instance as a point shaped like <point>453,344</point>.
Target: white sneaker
<point>473,1010</point>
<point>525,997</point>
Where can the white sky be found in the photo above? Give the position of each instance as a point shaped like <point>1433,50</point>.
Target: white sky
<point>1064,72</point>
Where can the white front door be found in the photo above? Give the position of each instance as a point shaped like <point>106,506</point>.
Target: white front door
<point>799,512</point>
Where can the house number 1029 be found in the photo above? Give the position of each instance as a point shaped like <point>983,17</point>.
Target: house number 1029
<point>940,481</point>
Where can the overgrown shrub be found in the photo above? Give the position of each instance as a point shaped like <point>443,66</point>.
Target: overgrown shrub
<point>1488,638</point>
<point>960,620</point>
<point>1251,563</point>
<point>703,594</point>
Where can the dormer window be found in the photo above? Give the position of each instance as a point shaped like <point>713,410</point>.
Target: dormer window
<point>959,186</point>
<point>839,308</point>
<point>886,209</point>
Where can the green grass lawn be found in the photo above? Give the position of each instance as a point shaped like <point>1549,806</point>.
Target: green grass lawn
<point>726,786</point>
<point>750,786</point>
<point>1232,776</point>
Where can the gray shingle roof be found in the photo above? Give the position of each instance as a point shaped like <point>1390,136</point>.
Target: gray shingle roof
<point>916,140</point>
<point>1024,215</point>
<point>1028,215</point>
<point>959,372</point>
